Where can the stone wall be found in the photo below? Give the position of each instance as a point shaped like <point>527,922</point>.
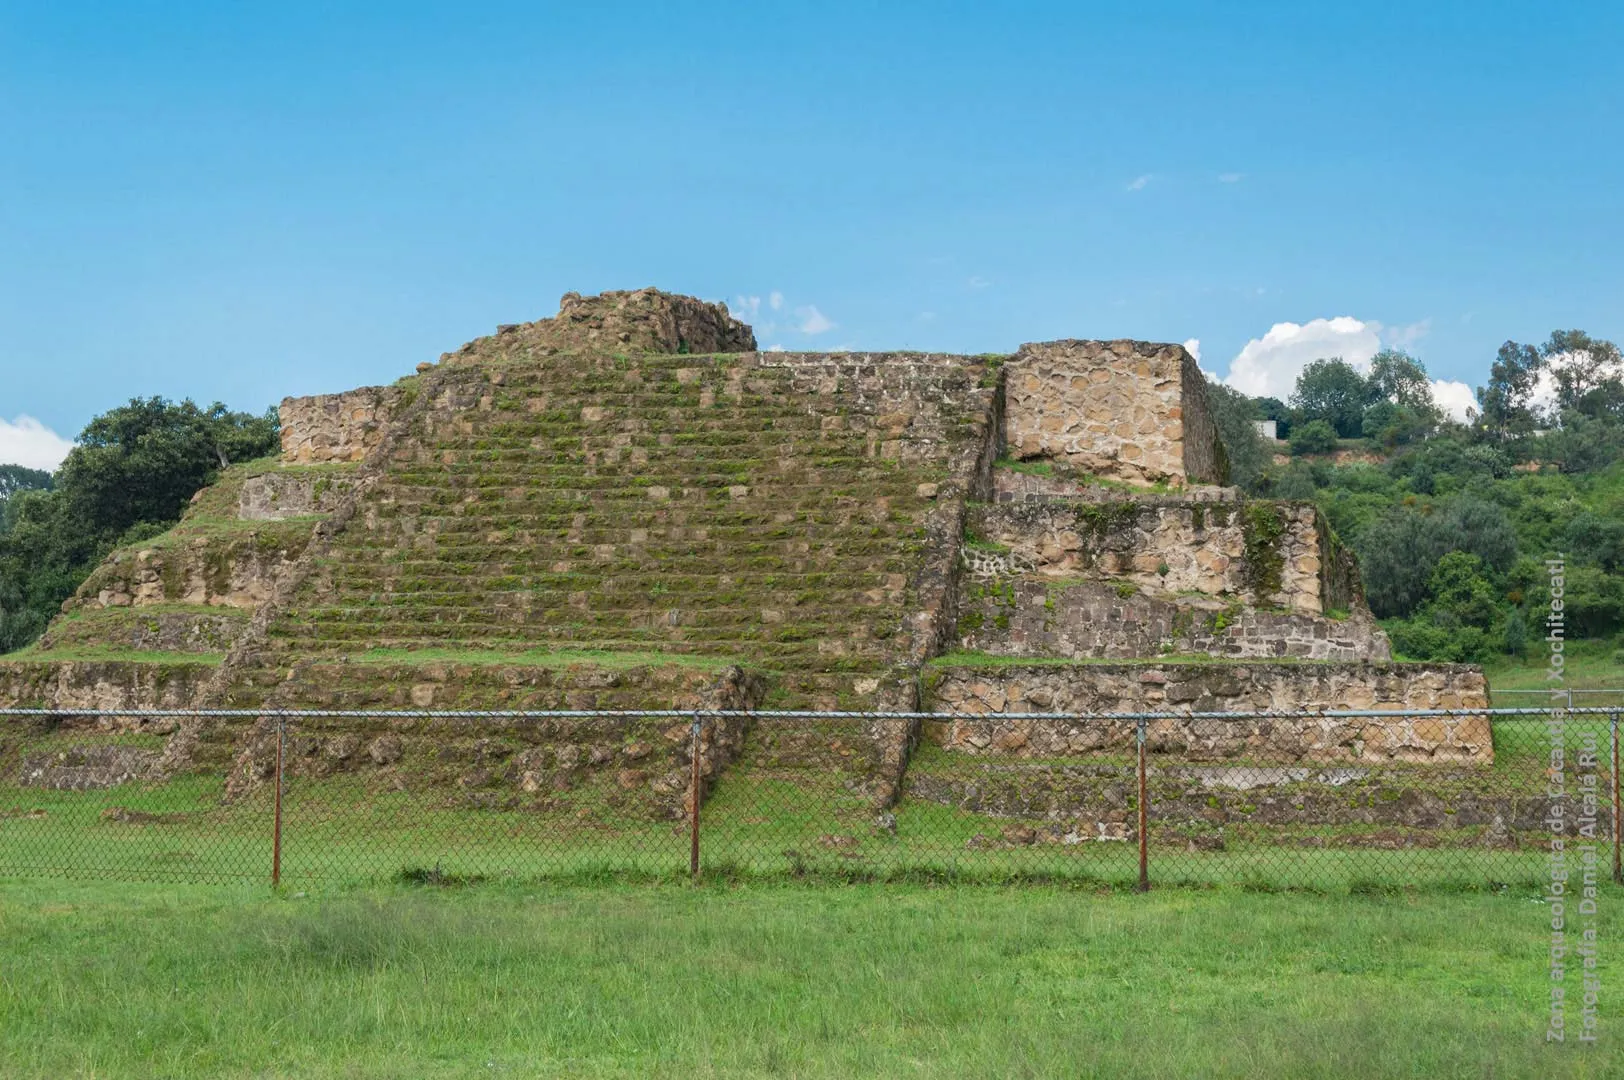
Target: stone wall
<point>237,569</point>
<point>336,427</point>
<point>1021,485</point>
<point>100,684</point>
<point>917,408</point>
<point>1200,807</point>
<point>1204,458</point>
<point>146,629</point>
<point>275,496</point>
<point>617,764</point>
<point>1099,620</point>
<point>1268,554</point>
<point>1220,687</point>
<point>1112,408</point>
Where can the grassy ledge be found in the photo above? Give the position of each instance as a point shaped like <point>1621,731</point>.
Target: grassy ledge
<point>550,658</point>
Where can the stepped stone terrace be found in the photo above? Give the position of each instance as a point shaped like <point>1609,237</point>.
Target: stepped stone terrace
<point>628,505</point>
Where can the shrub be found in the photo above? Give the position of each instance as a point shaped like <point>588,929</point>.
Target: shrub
<point>1314,437</point>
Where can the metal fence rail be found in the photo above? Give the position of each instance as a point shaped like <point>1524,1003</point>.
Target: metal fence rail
<point>1326,799</point>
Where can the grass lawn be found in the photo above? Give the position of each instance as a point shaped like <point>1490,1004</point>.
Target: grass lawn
<point>114,980</point>
<point>1590,665</point>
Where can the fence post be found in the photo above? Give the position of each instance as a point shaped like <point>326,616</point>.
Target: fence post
<point>1618,814</point>
<point>1144,816</point>
<point>276,828</point>
<point>693,801</point>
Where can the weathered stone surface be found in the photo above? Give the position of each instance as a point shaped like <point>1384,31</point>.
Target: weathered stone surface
<point>276,496</point>
<point>1018,485</point>
<point>237,570</point>
<point>100,684</point>
<point>1128,410</point>
<point>87,768</point>
<point>646,763</point>
<point>1195,807</point>
<point>638,321</point>
<point>1222,687</point>
<point>1174,545</point>
<point>336,427</point>
<point>1083,619</point>
<point>145,629</point>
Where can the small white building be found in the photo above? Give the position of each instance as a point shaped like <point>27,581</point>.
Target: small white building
<point>1266,429</point>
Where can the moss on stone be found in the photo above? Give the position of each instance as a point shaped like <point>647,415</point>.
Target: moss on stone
<point>1263,529</point>
<point>1102,519</point>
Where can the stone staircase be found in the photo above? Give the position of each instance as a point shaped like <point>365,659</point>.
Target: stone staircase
<point>700,506</point>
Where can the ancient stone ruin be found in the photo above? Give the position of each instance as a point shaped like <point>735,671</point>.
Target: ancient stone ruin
<point>628,506</point>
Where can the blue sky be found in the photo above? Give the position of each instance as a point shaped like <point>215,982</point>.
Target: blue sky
<point>241,202</point>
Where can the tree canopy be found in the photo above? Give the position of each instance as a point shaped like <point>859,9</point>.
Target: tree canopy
<point>132,472</point>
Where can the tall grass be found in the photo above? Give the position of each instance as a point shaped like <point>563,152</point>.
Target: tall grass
<point>146,981</point>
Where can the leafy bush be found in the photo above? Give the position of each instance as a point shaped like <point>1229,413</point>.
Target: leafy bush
<point>1314,437</point>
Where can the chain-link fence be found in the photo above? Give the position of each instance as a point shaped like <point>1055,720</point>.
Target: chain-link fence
<point>1334,800</point>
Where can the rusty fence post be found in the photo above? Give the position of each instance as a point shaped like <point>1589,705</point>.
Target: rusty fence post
<point>693,800</point>
<point>1144,816</point>
<point>1618,813</point>
<point>276,827</point>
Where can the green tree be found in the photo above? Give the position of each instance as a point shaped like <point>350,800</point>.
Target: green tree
<point>1234,414</point>
<point>15,478</point>
<point>1588,373</point>
<point>1397,555</point>
<point>1314,437</point>
<point>1507,400</point>
<point>1271,408</point>
<point>1390,425</point>
<point>1462,594</point>
<point>144,460</point>
<point>1331,390</point>
<point>131,474</point>
<point>1515,636</point>
<point>1400,378</point>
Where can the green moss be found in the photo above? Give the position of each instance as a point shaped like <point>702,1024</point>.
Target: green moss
<point>1126,589</point>
<point>1029,468</point>
<point>1263,530</point>
<point>977,543</point>
<point>1102,519</point>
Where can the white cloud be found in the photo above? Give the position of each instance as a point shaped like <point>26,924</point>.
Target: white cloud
<point>31,444</point>
<point>774,316</point>
<point>1230,177</point>
<point>1454,398</point>
<point>978,282</point>
<point>775,348</point>
<point>1138,183</point>
<point>1269,366</point>
<point>1402,337</point>
<point>926,316</point>
<point>813,321</point>
<point>1193,347</point>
